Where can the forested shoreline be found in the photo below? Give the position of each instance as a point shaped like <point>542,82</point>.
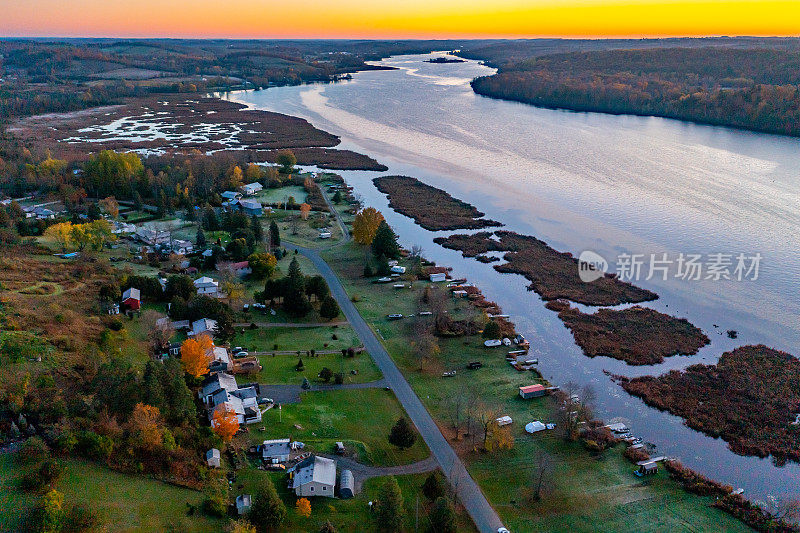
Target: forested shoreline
<point>756,90</point>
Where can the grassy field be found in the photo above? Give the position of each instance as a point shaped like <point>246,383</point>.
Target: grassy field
<point>340,415</point>
<point>122,502</point>
<point>282,194</point>
<point>581,490</point>
<point>348,515</point>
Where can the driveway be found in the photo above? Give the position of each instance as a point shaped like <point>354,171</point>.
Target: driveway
<point>362,473</point>
<point>484,517</point>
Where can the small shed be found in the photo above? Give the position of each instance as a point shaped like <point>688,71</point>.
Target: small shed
<point>532,391</point>
<point>212,458</point>
<point>340,449</point>
<point>535,426</point>
<point>131,299</point>
<point>439,276</point>
<point>346,484</point>
<point>397,269</point>
<point>243,504</point>
<point>647,469</point>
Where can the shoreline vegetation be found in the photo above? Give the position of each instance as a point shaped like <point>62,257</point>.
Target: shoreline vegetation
<point>637,335</point>
<point>445,60</point>
<point>750,399</point>
<point>432,208</point>
<point>753,89</point>
<point>553,275</point>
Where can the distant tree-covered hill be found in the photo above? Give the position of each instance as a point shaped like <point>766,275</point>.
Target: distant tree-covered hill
<point>756,89</point>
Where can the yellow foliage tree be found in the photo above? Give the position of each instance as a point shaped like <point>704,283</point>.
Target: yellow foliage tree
<point>236,178</point>
<point>366,225</point>
<point>99,232</point>
<point>305,209</point>
<point>225,422</point>
<point>195,355</point>
<point>80,235</point>
<point>303,507</point>
<point>241,526</point>
<point>61,233</point>
<point>146,426</point>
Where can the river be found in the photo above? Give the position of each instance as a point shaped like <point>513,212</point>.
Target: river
<point>588,181</point>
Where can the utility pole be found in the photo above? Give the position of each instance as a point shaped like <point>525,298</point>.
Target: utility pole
<point>416,512</point>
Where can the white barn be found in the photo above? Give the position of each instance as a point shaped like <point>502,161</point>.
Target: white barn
<point>315,476</point>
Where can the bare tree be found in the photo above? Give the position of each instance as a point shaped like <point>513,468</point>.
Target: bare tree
<point>425,344</point>
<point>543,465</point>
<point>160,331</point>
<point>456,405</point>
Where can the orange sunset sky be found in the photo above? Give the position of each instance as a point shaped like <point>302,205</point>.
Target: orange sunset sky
<point>397,19</point>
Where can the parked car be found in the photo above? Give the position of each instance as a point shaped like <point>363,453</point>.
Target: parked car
<point>394,316</point>
<point>276,467</point>
<point>449,374</point>
<point>237,349</point>
<point>238,355</point>
<point>474,365</point>
<point>425,313</point>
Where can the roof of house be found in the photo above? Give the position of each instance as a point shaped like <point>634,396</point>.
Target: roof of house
<point>531,388</point>
<point>220,354</point>
<point>213,452</point>
<point>218,381</point>
<point>275,447</point>
<point>250,204</point>
<point>131,293</point>
<point>319,469</point>
<point>203,325</point>
<point>231,194</point>
<point>243,500</point>
<point>205,280</point>
<point>254,186</point>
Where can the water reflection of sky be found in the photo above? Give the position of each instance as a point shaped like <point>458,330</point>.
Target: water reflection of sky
<point>589,181</point>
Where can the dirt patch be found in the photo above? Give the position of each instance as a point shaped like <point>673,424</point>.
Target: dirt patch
<point>431,208</point>
<point>750,398</point>
<point>638,335</point>
<point>553,275</point>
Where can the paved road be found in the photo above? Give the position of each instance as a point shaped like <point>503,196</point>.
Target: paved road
<point>469,493</point>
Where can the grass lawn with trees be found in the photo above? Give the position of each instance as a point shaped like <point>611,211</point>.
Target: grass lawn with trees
<point>362,418</point>
<point>579,489</point>
<point>122,502</point>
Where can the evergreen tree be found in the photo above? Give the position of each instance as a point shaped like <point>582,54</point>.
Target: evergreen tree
<point>201,238</point>
<point>210,219</point>
<point>434,486</point>
<point>385,242</point>
<point>258,231</point>
<point>274,234</point>
<point>389,506</point>
<point>329,308</point>
<point>181,408</point>
<point>295,301</point>
<point>402,435</point>
<point>268,511</point>
<point>368,271</point>
<point>337,197</point>
<point>491,330</point>
<point>153,384</point>
<point>442,517</point>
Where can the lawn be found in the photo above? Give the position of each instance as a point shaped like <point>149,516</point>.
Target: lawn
<point>362,418</point>
<point>347,515</point>
<point>282,194</point>
<point>581,490</point>
<point>122,502</point>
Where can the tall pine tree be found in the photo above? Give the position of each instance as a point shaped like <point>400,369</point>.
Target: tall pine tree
<point>385,242</point>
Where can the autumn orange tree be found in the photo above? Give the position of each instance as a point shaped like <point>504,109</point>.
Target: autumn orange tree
<point>366,225</point>
<point>225,422</point>
<point>146,426</point>
<point>195,355</point>
<point>303,507</point>
<point>305,209</point>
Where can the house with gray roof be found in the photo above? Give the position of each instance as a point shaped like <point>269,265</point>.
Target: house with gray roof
<point>275,450</point>
<point>314,476</point>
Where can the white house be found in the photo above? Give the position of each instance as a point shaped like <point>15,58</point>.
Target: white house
<point>314,476</point>
<point>207,286</point>
<point>251,188</point>
<point>212,458</point>
<point>275,450</point>
<point>220,355</point>
<point>216,382</point>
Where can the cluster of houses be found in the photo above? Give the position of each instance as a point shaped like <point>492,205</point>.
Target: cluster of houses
<point>237,200</point>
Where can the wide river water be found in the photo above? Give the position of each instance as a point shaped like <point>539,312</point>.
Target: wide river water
<point>589,181</point>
